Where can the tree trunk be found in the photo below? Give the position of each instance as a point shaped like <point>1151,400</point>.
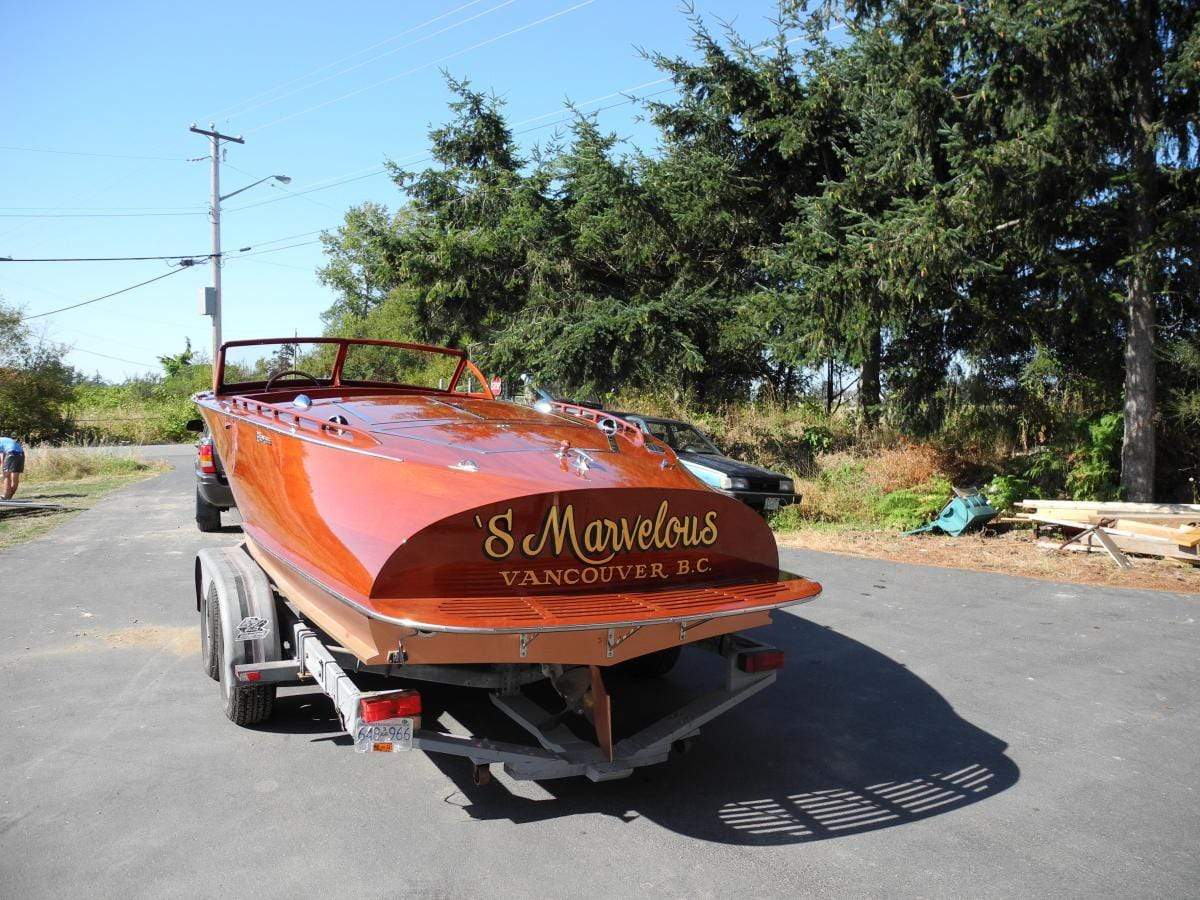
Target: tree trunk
<point>869,398</point>
<point>829,386</point>
<point>1137,451</point>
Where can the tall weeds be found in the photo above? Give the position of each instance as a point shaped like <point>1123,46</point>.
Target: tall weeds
<point>73,464</point>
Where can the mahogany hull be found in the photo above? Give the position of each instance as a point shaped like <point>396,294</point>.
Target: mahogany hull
<point>474,542</point>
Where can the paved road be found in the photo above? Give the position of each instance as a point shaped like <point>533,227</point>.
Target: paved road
<point>936,733</point>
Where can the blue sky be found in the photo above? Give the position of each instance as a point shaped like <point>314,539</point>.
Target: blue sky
<point>313,102</point>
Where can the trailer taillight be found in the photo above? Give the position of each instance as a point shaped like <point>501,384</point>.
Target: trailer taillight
<point>204,458</point>
<point>760,660</point>
<point>398,705</point>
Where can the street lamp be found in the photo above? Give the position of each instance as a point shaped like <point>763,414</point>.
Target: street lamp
<point>213,308</point>
<point>282,179</point>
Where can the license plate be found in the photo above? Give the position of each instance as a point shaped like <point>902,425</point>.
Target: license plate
<point>771,503</point>
<point>389,738</point>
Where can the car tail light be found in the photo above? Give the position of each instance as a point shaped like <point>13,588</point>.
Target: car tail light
<point>398,705</point>
<point>760,660</point>
<point>204,458</point>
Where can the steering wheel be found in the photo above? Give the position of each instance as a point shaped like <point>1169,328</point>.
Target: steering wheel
<point>271,381</point>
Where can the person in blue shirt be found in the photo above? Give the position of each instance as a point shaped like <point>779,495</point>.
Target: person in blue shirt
<point>12,464</point>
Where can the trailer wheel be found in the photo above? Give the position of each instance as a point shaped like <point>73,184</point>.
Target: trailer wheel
<point>245,704</point>
<point>652,665</point>
<point>208,517</point>
<point>208,642</point>
<point>481,775</point>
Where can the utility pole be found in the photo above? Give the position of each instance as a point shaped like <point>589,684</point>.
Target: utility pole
<point>216,137</point>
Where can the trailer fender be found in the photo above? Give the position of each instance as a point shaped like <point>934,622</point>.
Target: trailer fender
<point>245,604</point>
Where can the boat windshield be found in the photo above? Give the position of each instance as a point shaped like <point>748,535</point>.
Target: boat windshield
<point>261,362</point>
<point>398,365</point>
<point>301,363</point>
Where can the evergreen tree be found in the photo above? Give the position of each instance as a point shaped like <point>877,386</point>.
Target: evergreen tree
<point>1072,145</point>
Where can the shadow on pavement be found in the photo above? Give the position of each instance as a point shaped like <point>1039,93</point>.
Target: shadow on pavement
<point>15,512</point>
<point>302,711</point>
<point>848,740</point>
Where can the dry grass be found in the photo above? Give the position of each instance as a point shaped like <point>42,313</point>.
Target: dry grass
<point>72,477</point>
<point>1009,553</point>
<point>55,464</point>
<point>906,465</point>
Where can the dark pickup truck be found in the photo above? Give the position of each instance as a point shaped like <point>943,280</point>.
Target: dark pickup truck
<point>213,495</point>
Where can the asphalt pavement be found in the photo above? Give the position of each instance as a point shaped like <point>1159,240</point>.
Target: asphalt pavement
<point>936,733</point>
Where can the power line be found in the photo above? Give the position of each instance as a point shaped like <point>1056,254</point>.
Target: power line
<point>278,186</point>
<point>142,319</point>
<point>130,215</point>
<point>100,155</point>
<point>367,62</point>
<point>193,258</point>
<point>601,109</point>
<point>324,187</point>
<point>63,259</point>
<point>275,249</point>
<point>106,296</point>
<point>29,227</point>
<point>620,93</point>
<point>334,181</point>
<point>423,66</point>
<point>257,244</point>
<point>383,170</point>
<point>337,181</point>
<point>270,262</point>
<point>117,358</point>
<point>107,340</point>
<point>100,208</point>
<point>289,83</point>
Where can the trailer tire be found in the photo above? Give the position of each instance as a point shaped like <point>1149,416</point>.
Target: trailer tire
<point>209,657</point>
<point>208,517</point>
<point>245,704</point>
<point>652,665</point>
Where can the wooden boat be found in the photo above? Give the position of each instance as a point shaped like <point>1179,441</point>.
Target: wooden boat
<point>416,519</point>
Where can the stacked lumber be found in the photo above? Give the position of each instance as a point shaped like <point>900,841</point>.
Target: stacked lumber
<point>1168,530</point>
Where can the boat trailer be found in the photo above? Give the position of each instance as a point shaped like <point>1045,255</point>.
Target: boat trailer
<point>254,641</point>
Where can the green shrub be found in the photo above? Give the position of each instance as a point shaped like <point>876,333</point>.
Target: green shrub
<point>1046,471</point>
<point>908,508</point>
<point>34,381</point>
<point>1094,472</point>
<point>1004,491</point>
<point>789,518</point>
<point>151,410</point>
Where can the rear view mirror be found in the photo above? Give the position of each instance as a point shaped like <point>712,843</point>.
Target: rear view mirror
<point>196,425</point>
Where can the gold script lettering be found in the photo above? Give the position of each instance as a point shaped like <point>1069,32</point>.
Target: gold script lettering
<point>599,540</point>
<point>500,527</point>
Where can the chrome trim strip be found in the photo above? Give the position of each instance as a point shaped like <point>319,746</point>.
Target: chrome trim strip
<point>250,420</point>
<point>530,629</point>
